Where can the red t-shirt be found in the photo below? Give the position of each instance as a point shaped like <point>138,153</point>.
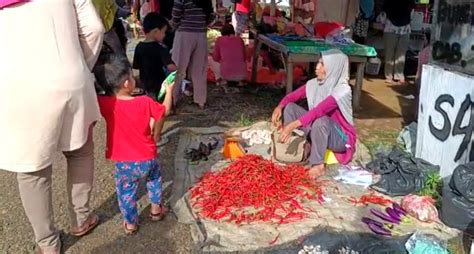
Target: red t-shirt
<point>128,127</point>
<point>243,6</point>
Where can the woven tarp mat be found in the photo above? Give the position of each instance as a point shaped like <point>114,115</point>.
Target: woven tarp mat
<point>336,214</point>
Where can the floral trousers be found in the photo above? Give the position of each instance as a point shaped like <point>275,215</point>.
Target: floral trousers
<point>127,179</point>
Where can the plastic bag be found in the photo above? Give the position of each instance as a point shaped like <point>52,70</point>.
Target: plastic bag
<point>421,243</point>
<point>339,36</point>
<point>167,82</point>
<point>462,181</point>
<point>407,138</point>
<point>401,174</point>
<point>420,207</point>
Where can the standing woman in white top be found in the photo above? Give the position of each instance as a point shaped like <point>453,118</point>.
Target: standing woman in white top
<point>396,38</point>
<point>48,104</point>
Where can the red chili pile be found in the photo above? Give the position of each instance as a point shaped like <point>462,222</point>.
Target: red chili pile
<point>252,189</point>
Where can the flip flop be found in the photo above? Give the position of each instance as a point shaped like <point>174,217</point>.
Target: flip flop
<point>129,231</point>
<point>87,227</point>
<point>55,251</point>
<point>402,82</point>
<point>159,216</point>
<point>317,175</point>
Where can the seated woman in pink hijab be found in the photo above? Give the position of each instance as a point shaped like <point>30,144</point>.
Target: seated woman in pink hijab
<point>329,122</point>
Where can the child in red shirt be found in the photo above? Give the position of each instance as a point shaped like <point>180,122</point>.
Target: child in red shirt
<point>134,126</point>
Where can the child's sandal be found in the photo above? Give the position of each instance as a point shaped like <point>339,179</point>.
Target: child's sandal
<point>129,231</point>
<point>159,216</point>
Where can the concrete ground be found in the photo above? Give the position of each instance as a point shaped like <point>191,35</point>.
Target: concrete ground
<point>384,111</point>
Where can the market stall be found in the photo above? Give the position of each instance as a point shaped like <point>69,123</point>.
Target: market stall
<point>253,203</point>
<point>312,27</point>
<point>306,50</point>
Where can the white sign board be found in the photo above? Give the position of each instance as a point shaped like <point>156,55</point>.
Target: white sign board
<point>453,37</point>
<point>446,118</point>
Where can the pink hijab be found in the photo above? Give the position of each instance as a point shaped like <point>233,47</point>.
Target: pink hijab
<point>6,3</point>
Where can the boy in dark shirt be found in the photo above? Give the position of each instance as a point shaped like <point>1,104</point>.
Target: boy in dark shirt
<point>151,58</point>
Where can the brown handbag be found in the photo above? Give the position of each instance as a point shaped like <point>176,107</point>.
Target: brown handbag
<point>296,150</point>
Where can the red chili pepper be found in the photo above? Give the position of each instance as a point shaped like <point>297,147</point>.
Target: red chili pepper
<point>370,198</point>
<point>275,240</point>
<point>254,189</point>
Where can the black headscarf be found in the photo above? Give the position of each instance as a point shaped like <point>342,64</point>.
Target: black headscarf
<point>399,11</point>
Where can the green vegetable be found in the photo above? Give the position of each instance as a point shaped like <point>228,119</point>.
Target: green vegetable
<point>167,82</point>
<point>433,187</point>
<point>212,35</point>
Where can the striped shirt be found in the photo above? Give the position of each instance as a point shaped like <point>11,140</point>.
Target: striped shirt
<point>187,17</point>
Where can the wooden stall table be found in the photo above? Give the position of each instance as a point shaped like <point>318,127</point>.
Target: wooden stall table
<point>308,53</point>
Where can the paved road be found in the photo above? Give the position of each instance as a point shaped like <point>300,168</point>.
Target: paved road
<point>163,237</point>
<point>168,236</point>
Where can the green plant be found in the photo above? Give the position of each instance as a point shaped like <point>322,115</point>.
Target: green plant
<point>432,188</point>
<point>245,120</point>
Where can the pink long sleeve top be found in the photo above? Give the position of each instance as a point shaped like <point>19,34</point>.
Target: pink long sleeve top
<point>230,52</point>
<point>328,107</point>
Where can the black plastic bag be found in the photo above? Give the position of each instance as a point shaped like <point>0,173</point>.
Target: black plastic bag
<point>456,211</point>
<point>462,181</point>
<point>335,241</point>
<point>401,174</point>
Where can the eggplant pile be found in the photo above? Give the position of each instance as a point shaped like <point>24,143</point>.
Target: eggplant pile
<point>392,216</point>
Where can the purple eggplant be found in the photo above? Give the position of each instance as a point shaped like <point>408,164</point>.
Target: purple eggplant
<point>368,221</point>
<point>392,213</point>
<point>379,230</point>
<point>384,216</point>
<point>399,209</point>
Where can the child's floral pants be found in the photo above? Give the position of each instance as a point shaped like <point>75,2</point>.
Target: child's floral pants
<point>127,178</point>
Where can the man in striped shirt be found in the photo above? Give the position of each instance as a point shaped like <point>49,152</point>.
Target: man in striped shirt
<point>190,19</point>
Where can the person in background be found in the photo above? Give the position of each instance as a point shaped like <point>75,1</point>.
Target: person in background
<point>144,10</point>
<point>134,127</point>
<point>166,8</point>
<point>115,38</point>
<point>52,62</point>
<point>229,54</point>
<point>240,18</point>
<point>329,122</point>
<point>189,53</point>
<point>361,24</point>
<point>109,12</point>
<point>423,58</point>
<point>396,38</point>
<point>151,58</point>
